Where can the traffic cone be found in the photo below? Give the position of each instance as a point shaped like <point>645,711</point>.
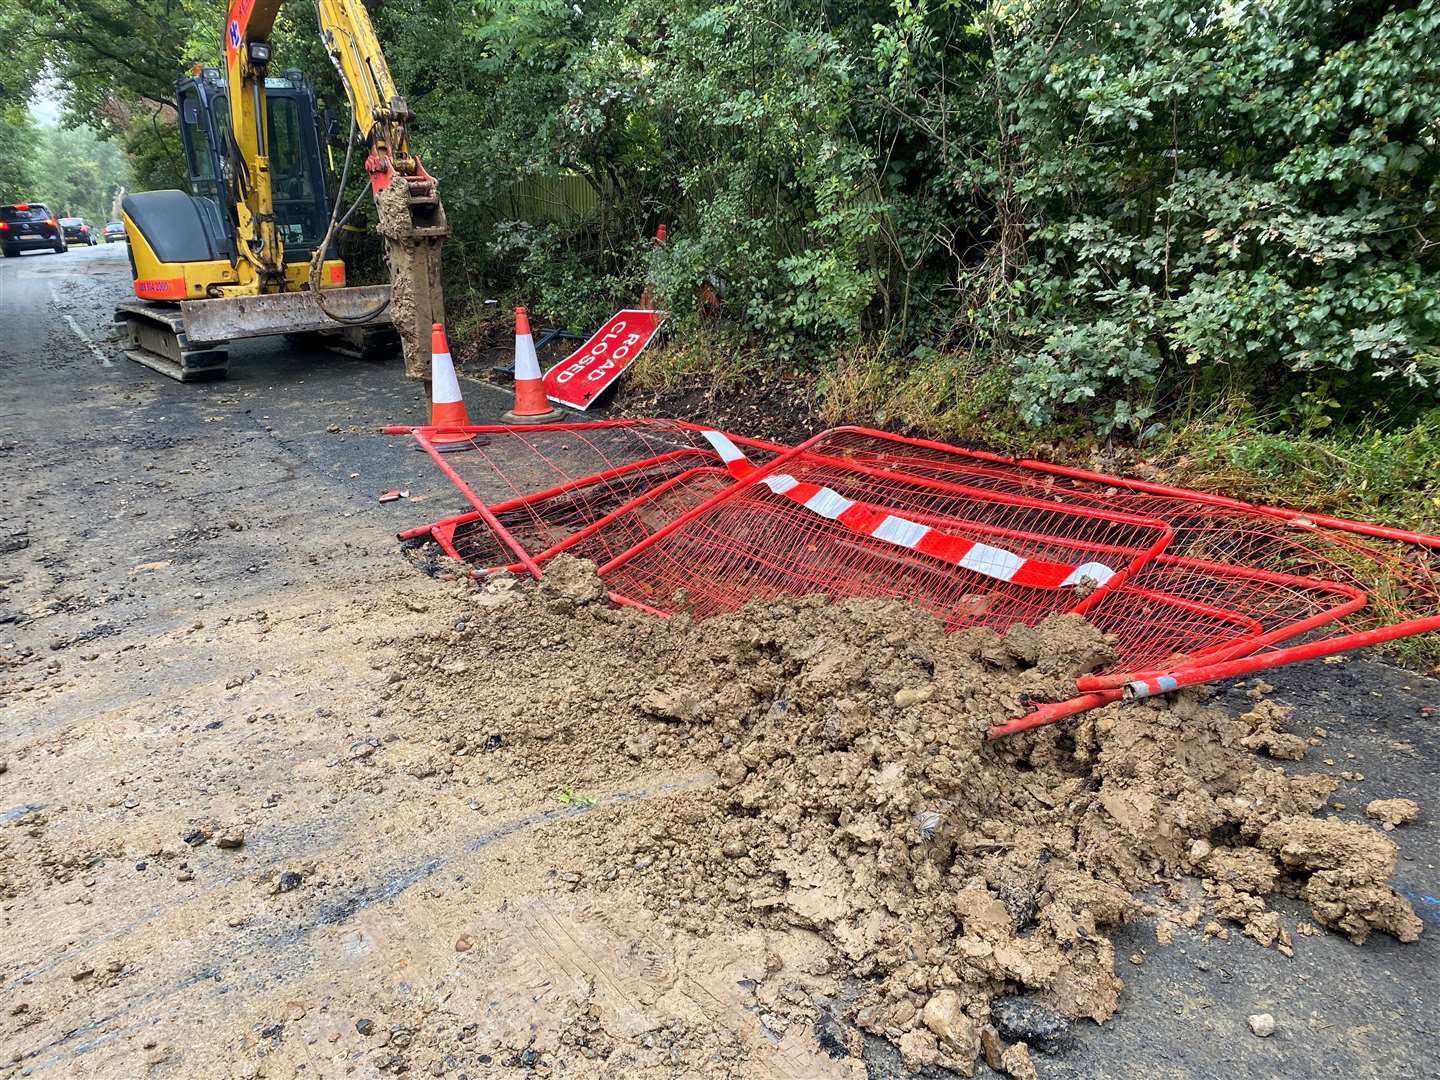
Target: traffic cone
<point>447,410</point>
<point>531,404</point>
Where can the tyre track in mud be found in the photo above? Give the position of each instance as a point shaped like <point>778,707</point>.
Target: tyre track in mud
<point>278,941</point>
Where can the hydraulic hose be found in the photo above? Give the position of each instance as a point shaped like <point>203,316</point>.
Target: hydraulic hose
<point>336,221</point>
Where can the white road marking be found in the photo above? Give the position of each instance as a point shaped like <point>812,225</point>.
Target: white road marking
<point>99,352</point>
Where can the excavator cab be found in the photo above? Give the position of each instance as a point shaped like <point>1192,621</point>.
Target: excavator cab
<point>183,245</point>
<point>297,174</point>
<point>185,257</point>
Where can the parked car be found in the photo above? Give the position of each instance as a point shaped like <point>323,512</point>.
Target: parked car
<point>114,230</point>
<point>78,229</point>
<point>27,226</point>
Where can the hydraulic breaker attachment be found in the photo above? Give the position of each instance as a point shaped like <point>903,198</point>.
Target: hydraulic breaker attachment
<point>412,221</point>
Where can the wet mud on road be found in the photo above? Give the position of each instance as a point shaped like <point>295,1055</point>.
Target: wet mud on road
<point>229,844</point>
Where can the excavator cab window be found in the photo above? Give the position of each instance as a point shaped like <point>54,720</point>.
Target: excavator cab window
<point>297,177</point>
<point>200,156</point>
<point>292,182</point>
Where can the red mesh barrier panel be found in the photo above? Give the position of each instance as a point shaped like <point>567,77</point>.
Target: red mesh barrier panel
<point>751,542</point>
<point>1190,587</point>
<point>1329,583</point>
<point>543,484</point>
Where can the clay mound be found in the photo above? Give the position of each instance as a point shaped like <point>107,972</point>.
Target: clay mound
<point>858,797</point>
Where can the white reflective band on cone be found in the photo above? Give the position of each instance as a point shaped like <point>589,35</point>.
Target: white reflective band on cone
<point>527,364</point>
<point>444,386</point>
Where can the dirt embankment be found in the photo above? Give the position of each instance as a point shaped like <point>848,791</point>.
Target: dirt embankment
<point>858,800</point>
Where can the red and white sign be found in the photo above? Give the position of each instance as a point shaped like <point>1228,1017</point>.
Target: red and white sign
<point>580,378</point>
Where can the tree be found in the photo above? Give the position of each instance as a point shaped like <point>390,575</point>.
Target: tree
<point>77,172</point>
<point>18,137</point>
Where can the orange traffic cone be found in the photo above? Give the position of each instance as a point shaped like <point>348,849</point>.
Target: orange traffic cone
<point>531,404</point>
<point>447,410</point>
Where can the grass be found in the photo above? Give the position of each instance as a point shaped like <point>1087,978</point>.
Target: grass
<point>949,397</point>
<point>1374,472</point>
<point>1391,477</point>
<point>568,797</point>
<point>709,359</point>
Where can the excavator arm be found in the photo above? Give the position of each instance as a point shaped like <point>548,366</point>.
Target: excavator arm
<point>411,219</point>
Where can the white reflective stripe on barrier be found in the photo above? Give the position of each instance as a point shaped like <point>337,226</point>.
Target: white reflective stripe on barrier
<point>993,562</point>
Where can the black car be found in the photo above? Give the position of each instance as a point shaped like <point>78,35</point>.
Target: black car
<point>27,226</point>
<point>78,229</point>
<point>114,230</point>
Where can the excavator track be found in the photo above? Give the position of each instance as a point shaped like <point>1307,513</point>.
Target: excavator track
<point>155,337</point>
<point>189,341</point>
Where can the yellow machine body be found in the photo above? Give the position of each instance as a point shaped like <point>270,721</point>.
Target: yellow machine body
<point>156,279</point>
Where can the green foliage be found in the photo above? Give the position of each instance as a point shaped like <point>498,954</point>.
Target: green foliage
<point>18,138</point>
<point>77,173</point>
<point>106,58</point>
<point>732,123</point>
<point>1194,199</point>
<point>1084,215</point>
<point>1389,475</point>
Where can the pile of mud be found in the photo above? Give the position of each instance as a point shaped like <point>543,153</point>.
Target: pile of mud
<point>855,796</point>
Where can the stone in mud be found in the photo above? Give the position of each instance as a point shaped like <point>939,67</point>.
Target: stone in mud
<point>908,696</point>
<point>1262,1025</point>
<point>1023,1019</point>
<point>1016,1062</point>
<point>991,1047</point>
<point>571,581</point>
<point>918,1049</point>
<point>830,1032</point>
<point>958,1034</point>
<point>289,881</point>
<point>1389,812</point>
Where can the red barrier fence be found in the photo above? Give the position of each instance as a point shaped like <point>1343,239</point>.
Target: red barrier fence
<point>1190,587</point>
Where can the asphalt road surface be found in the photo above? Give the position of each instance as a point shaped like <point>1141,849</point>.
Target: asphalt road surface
<point>140,515</point>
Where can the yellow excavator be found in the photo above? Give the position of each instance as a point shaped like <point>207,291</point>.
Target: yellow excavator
<point>249,250</point>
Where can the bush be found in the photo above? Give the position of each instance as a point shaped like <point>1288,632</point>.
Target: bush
<point>1126,208</point>
<point>1126,211</point>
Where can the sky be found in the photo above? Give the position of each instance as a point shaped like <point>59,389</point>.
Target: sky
<point>45,105</point>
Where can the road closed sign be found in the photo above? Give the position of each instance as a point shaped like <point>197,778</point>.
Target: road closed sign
<point>579,379</point>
